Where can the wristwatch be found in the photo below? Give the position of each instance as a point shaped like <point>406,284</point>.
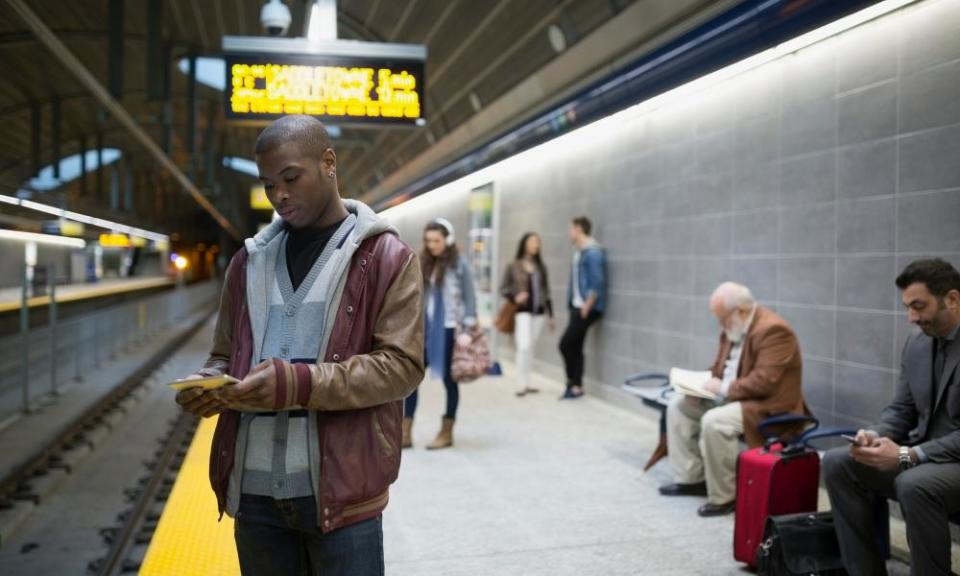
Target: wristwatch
<point>904,460</point>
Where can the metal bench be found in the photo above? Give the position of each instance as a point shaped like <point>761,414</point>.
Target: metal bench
<point>654,390</point>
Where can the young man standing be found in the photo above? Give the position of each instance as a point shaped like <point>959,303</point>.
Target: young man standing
<point>325,305</point>
<point>585,301</point>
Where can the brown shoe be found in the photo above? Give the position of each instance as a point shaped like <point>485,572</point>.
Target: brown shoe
<point>407,441</point>
<point>444,438</point>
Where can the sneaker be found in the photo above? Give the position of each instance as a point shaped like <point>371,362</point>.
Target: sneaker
<point>569,394</point>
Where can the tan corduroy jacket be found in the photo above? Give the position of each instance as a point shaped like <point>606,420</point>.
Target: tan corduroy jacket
<point>770,374</point>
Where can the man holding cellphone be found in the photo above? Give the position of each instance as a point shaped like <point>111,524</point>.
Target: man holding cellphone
<point>321,319</point>
<point>913,453</point>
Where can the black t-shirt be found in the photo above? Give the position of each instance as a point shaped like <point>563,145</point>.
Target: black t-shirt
<point>304,247</point>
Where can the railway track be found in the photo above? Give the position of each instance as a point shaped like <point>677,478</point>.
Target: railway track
<point>128,542</point>
<point>135,417</point>
<point>75,438</point>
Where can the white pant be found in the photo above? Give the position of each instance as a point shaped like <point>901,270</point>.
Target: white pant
<point>526,330</point>
<point>703,442</point>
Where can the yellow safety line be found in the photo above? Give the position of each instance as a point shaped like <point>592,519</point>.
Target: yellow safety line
<point>189,540</point>
<point>133,286</point>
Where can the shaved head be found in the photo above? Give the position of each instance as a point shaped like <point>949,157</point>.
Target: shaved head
<point>306,132</point>
<point>298,168</point>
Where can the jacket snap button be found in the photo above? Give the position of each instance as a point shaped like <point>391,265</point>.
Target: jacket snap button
<point>336,357</point>
<point>326,511</point>
<point>326,522</point>
<point>349,309</point>
<point>224,453</point>
<point>363,262</point>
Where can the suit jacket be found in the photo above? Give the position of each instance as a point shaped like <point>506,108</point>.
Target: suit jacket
<point>768,380</point>
<point>908,418</point>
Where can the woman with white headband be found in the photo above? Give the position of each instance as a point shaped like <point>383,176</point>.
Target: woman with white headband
<point>450,304</point>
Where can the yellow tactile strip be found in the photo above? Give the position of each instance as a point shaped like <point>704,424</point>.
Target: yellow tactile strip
<point>189,540</point>
<point>87,293</point>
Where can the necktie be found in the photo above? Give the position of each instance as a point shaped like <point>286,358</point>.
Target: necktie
<point>938,363</point>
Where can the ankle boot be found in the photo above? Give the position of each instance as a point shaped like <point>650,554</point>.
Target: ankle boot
<point>407,433</point>
<point>444,438</point>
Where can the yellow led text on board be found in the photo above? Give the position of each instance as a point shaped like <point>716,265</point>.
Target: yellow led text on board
<point>323,90</point>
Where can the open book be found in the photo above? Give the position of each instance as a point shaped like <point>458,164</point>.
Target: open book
<point>691,382</point>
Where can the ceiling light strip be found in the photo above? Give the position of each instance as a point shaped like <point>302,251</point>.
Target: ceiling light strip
<point>42,238</point>
<point>84,219</point>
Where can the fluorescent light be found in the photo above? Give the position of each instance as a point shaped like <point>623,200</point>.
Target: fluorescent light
<point>42,238</point>
<point>242,165</point>
<point>211,72</point>
<point>70,169</point>
<point>83,218</point>
<point>601,130</point>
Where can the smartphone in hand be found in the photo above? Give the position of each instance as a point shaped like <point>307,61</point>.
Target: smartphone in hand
<point>850,439</point>
<point>208,383</point>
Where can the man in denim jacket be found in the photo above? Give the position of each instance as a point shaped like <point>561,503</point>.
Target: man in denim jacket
<point>585,299</point>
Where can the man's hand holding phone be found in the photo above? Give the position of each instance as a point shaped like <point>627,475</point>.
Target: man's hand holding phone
<point>863,439</point>
<point>866,438</point>
<point>872,450</point>
<point>199,401</point>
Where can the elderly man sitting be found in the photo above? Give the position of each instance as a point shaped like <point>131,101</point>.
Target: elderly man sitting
<point>756,374</point>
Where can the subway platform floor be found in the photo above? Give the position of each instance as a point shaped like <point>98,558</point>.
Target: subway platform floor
<point>537,486</point>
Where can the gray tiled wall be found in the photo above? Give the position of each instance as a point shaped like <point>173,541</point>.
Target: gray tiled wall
<point>813,180</point>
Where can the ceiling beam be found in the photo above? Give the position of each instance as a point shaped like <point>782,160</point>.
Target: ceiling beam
<point>636,30</point>
<point>411,4</point>
<point>479,78</point>
<point>357,27</point>
<point>448,61</point>
<point>22,37</point>
<point>371,14</point>
<point>241,18</point>
<point>59,49</point>
<point>201,24</point>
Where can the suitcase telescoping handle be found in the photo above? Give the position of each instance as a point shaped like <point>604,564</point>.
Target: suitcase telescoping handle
<point>829,432</point>
<point>781,419</point>
<point>802,442</point>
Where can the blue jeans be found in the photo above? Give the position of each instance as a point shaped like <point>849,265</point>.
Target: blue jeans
<point>282,537</point>
<point>453,389</point>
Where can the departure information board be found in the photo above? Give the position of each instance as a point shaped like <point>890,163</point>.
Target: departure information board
<point>336,89</point>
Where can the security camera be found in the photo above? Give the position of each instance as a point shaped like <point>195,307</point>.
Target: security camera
<point>275,17</point>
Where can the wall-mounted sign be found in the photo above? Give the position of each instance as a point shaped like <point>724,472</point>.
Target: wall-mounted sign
<point>63,227</point>
<point>481,249</point>
<point>341,82</point>
<point>114,240</point>
<point>258,198</point>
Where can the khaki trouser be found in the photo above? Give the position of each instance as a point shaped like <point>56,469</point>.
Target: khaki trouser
<point>703,437</point>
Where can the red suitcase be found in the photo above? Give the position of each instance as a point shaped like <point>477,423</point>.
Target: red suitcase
<point>776,479</point>
<point>770,483</point>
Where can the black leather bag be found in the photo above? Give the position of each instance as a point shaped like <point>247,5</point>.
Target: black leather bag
<point>800,544</point>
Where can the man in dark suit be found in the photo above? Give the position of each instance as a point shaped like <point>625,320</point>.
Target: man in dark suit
<point>913,453</point>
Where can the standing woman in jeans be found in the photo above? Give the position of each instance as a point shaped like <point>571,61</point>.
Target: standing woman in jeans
<point>450,302</point>
<point>526,284</point>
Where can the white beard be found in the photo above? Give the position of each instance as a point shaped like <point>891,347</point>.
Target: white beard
<point>733,335</point>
